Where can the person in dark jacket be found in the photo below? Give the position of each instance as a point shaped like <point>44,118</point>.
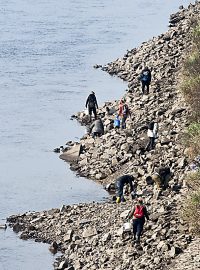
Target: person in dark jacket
<point>119,186</point>
<point>97,128</point>
<point>125,114</point>
<point>138,215</point>
<point>91,104</point>
<point>145,78</point>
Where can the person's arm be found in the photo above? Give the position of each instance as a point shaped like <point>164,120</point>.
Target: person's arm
<point>91,126</point>
<point>102,128</point>
<point>96,102</point>
<point>86,102</point>
<point>131,184</point>
<point>146,213</point>
<point>155,129</point>
<point>141,76</point>
<point>130,214</point>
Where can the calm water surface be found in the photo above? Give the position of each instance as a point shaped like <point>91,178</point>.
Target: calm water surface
<point>47,50</point>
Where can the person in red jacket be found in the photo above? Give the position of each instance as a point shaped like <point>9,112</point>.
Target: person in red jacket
<point>138,214</point>
<point>121,105</point>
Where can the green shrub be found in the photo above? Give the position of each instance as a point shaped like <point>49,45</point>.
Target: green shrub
<point>194,129</point>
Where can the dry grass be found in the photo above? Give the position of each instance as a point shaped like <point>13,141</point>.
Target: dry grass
<point>191,212</point>
<point>191,139</point>
<point>193,181</point>
<point>191,89</point>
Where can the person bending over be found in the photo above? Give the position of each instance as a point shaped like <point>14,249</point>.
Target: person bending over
<point>97,128</point>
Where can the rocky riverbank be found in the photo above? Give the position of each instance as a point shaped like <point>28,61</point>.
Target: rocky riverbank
<point>121,149</point>
<point>90,235</point>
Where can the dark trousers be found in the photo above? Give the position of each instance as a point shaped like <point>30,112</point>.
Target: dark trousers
<point>145,85</point>
<point>96,134</point>
<point>124,117</point>
<point>151,143</point>
<point>92,109</point>
<point>119,190</point>
<point>138,225</point>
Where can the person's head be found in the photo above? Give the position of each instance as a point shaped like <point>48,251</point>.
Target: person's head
<point>92,92</point>
<point>121,101</point>
<point>140,200</point>
<point>146,68</point>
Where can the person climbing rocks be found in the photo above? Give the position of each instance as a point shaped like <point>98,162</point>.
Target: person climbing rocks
<point>125,114</point>
<point>91,104</point>
<point>161,177</point>
<point>145,78</point>
<point>97,128</point>
<point>119,186</point>
<point>152,134</point>
<point>138,215</point>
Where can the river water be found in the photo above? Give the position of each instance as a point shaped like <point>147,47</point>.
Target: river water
<point>47,50</point>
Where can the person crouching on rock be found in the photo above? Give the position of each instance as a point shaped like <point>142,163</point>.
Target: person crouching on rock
<point>119,186</point>
<point>91,104</point>
<point>138,215</point>
<point>161,177</point>
<point>97,128</point>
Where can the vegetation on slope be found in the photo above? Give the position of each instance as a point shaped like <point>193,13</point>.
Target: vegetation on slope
<point>191,89</point>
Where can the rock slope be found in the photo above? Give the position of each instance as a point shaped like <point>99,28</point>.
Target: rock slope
<point>104,156</point>
<point>90,235</point>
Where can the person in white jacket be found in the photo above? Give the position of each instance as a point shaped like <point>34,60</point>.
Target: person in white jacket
<point>152,133</point>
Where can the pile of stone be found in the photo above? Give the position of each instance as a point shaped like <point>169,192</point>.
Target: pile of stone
<point>91,236</point>
<point>189,259</point>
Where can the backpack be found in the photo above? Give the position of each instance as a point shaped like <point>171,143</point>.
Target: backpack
<point>139,211</point>
<point>145,76</point>
<point>125,109</point>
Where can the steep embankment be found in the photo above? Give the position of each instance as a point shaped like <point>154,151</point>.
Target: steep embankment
<point>90,235</point>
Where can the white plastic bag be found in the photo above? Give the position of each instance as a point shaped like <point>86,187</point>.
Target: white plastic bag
<point>127,226</point>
